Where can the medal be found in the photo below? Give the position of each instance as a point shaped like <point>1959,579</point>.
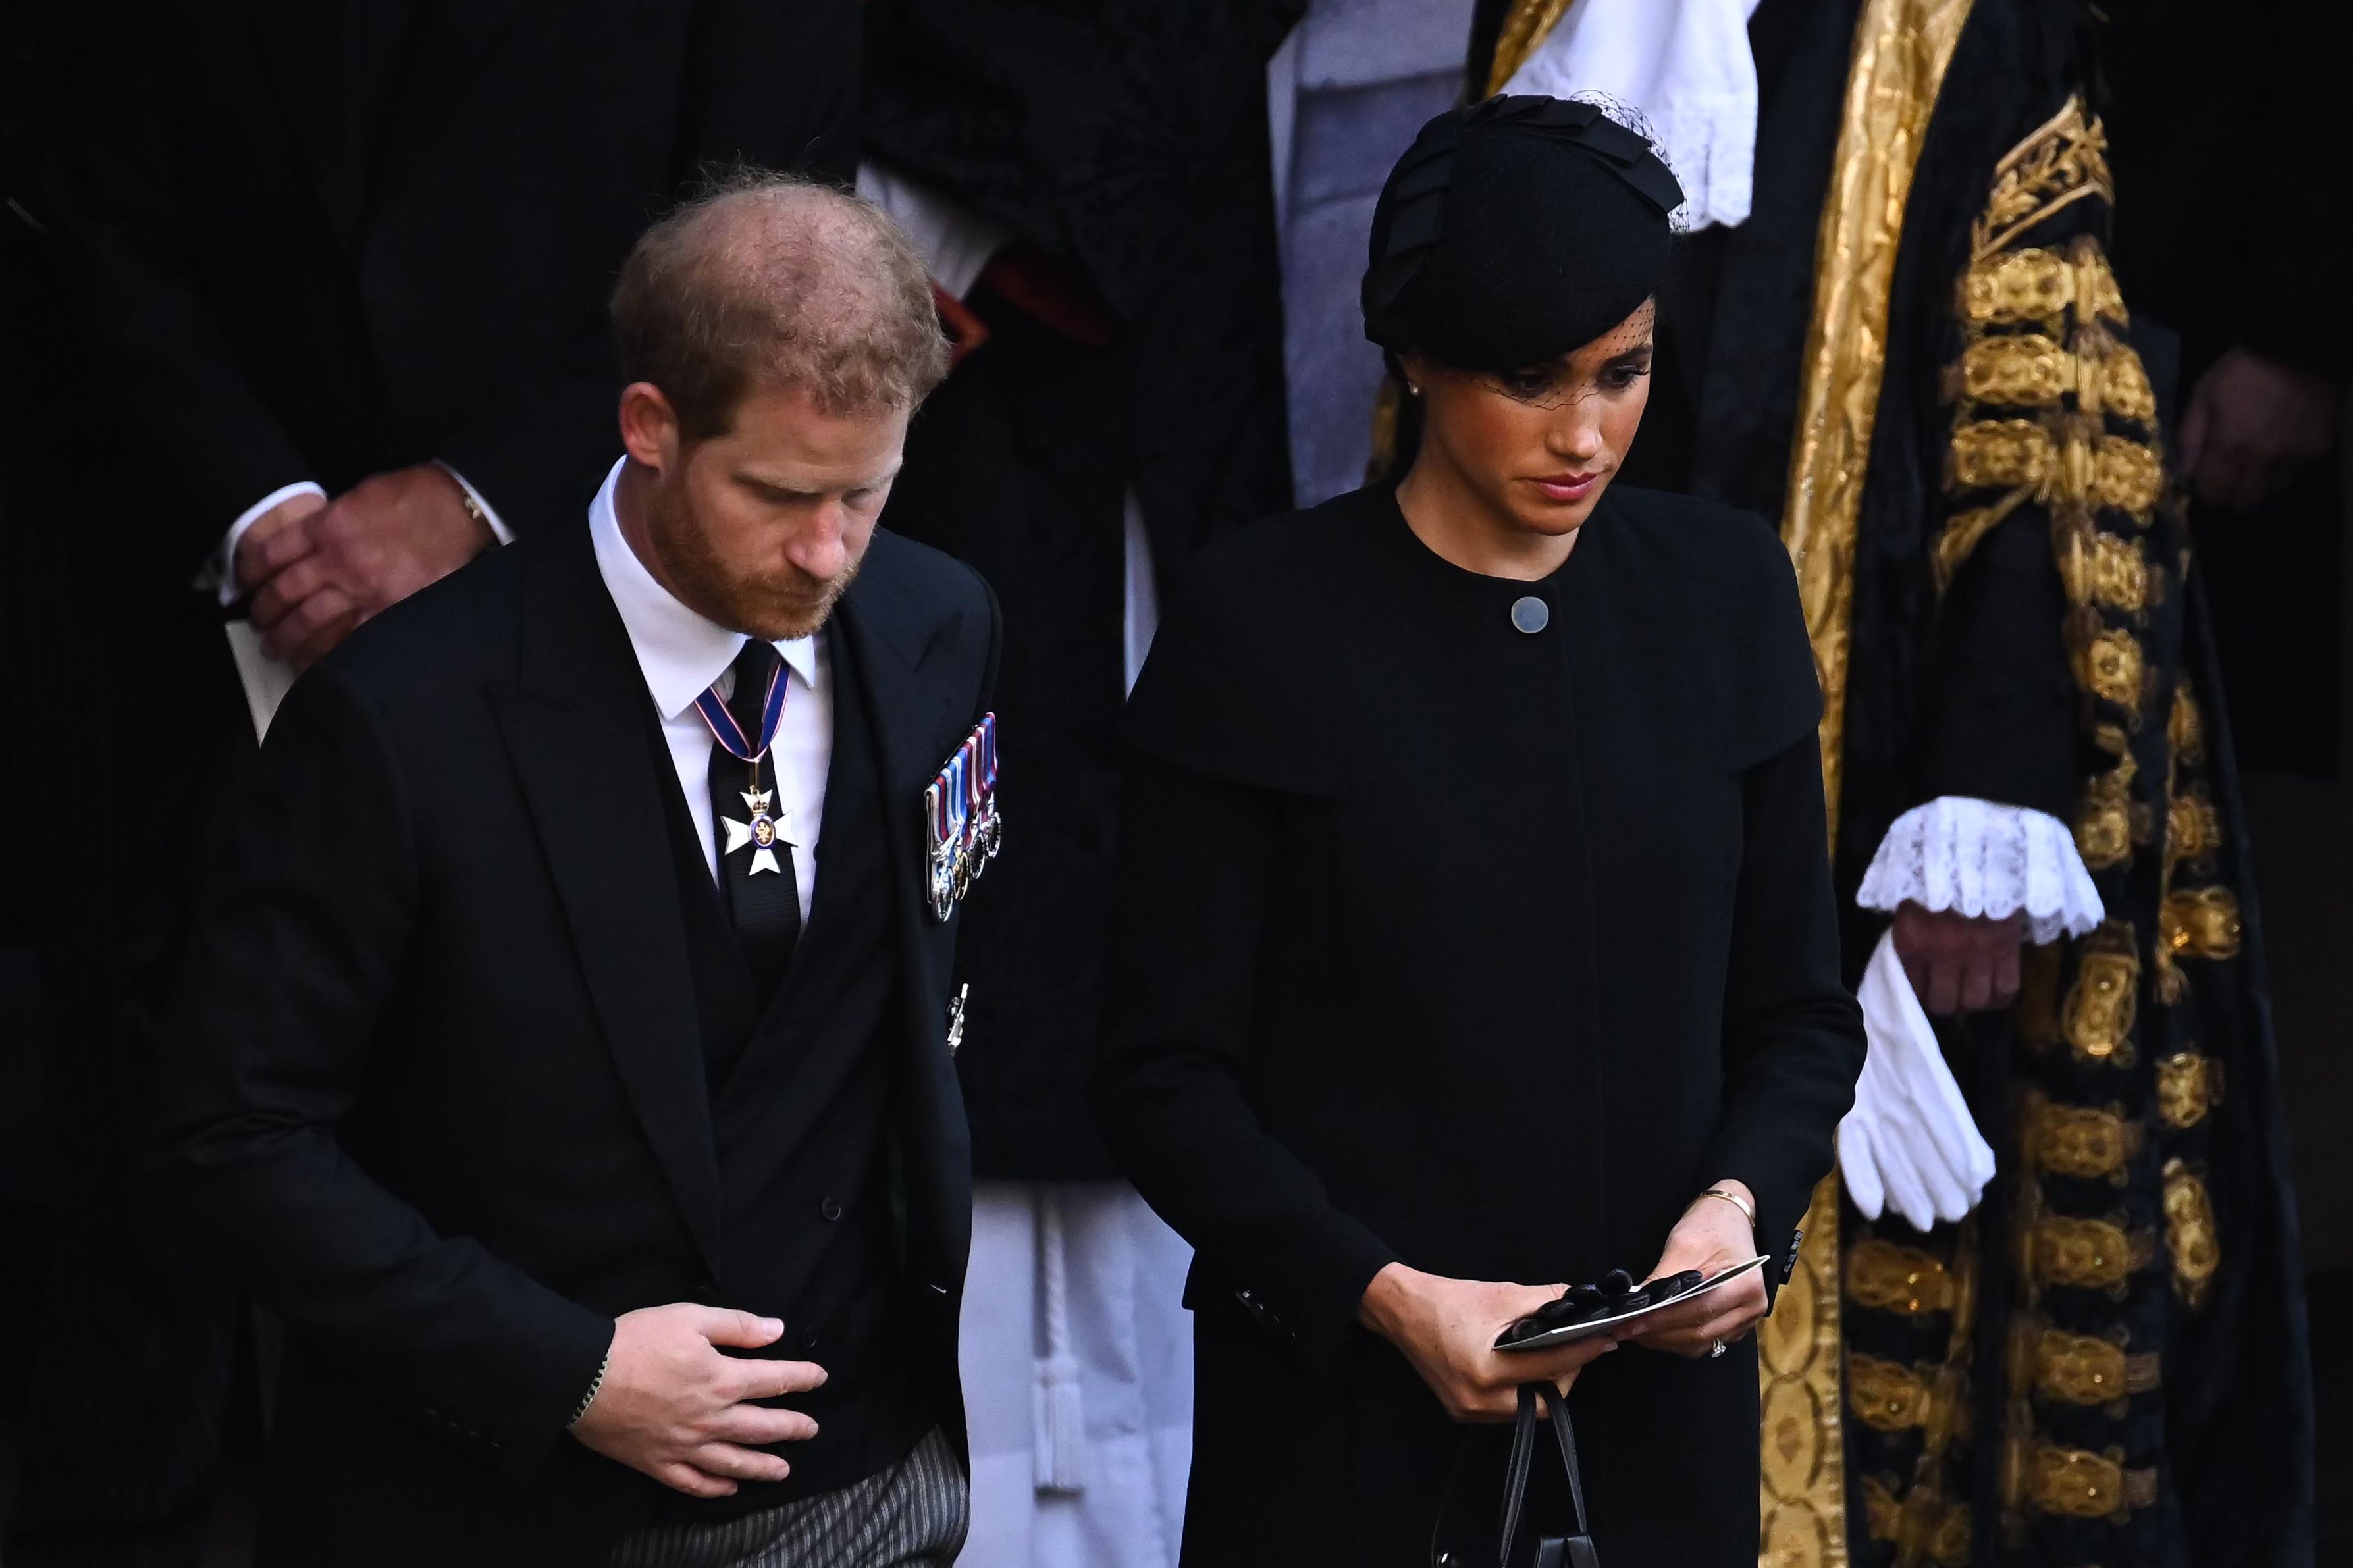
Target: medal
<point>961,819</point>
<point>988,831</point>
<point>768,827</point>
<point>764,832</point>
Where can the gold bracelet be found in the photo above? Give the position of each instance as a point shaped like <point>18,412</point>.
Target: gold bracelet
<point>1733,1199</point>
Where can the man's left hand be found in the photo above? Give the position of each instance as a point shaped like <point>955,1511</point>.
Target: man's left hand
<point>1711,1237</point>
<point>371,547</point>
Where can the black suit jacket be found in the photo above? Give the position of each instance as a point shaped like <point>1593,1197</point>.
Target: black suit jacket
<point>435,1088</point>
<point>324,238</point>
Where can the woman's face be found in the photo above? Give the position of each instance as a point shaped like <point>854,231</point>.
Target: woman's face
<point>1540,445</point>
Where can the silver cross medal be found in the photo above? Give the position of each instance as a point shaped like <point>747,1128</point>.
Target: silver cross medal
<point>764,832</point>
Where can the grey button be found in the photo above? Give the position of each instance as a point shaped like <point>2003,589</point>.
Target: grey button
<point>1531,614</point>
<point>831,1209</point>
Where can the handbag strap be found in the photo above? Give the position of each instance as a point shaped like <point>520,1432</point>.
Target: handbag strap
<point>1568,1438</point>
<point>1523,1442</point>
<point>1516,1473</point>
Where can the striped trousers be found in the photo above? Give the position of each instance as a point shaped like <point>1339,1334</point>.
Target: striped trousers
<point>912,1515</point>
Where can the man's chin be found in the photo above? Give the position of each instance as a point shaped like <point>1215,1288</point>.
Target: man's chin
<point>785,622</point>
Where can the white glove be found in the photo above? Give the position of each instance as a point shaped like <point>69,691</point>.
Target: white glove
<point>1910,1143</point>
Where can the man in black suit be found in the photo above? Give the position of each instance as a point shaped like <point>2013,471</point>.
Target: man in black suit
<point>335,270</point>
<point>350,258</point>
<point>568,1012</point>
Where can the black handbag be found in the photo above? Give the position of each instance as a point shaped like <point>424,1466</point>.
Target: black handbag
<point>1462,1538</point>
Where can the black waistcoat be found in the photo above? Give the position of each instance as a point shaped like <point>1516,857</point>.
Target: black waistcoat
<point>801,1097</point>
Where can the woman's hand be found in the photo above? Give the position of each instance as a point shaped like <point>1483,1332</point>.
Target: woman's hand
<point>1711,1237</point>
<point>1447,1329</point>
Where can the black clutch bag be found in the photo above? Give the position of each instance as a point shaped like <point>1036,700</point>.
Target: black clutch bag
<point>1573,1550</point>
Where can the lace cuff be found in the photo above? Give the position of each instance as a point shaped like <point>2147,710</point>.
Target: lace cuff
<point>1974,858</point>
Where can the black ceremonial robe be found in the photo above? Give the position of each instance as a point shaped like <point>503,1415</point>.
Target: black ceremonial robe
<point>1483,951</point>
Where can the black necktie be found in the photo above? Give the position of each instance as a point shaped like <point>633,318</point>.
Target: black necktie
<point>757,882</point>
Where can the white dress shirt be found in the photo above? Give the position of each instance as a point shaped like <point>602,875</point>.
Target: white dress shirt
<point>683,654</point>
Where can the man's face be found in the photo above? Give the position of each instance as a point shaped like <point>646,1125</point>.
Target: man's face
<point>762,528</point>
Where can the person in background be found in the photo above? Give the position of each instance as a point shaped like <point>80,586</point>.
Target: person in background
<point>329,318</point>
<point>1475,932</point>
<point>1089,185</point>
<point>2057,1292</point>
<point>569,1010</point>
<point>2266,330</point>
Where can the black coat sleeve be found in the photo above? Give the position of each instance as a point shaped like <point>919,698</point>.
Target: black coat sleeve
<point>299,945</point>
<point>1190,920</point>
<point>173,370</point>
<point>2002,703</point>
<point>1793,1039</point>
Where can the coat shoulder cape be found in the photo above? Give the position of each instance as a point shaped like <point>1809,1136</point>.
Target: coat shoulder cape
<point>1262,674</point>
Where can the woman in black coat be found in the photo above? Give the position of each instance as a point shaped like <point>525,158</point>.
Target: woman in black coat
<point>1474,922</point>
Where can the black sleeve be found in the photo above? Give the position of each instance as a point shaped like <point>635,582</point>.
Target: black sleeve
<point>767,84</point>
<point>299,947</point>
<point>2001,704</point>
<point>2296,305</point>
<point>174,376</point>
<point>1793,1038</point>
<point>1190,922</point>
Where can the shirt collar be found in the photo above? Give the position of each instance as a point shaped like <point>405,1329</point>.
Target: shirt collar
<point>680,651</point>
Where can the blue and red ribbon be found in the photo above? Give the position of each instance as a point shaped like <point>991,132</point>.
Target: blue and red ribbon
<point>729,735</point>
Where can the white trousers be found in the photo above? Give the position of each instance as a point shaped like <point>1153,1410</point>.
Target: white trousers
<point>1078,1378</point>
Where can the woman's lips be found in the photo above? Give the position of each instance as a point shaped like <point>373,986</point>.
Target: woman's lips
<point>1566,487</point>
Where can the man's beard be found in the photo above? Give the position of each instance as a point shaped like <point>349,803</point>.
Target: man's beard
<point>771,609</point>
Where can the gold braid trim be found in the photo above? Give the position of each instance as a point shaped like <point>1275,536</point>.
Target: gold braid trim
<point>2191,1232</point>
<point>1902,48</point>
<point>2062,160</point>
<point>2188,1085</point>
<point>1525,26</point>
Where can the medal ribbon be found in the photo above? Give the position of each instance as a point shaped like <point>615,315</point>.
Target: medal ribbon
<point>729,735</point>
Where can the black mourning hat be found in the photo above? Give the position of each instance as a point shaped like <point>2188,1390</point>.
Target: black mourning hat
<point>1515,230</point>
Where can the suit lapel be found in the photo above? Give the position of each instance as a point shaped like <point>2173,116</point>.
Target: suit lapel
<point>577,728</point>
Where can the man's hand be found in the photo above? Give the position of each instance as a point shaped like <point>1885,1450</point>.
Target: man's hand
<point>1446,1330</point>
<point>1960,964</point>
<point>286,518</point>
<point>674,1407</point>
<point>2253,424</point>
<point>371,547</point>
<point>1711,1237</point>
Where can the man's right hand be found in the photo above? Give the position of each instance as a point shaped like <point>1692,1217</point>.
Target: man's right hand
<point>1447,1329</point>
<point>1958,962</point>
<point>674,1407</point>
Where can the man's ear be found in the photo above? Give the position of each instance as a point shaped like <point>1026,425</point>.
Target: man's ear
<point>650,431</point>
